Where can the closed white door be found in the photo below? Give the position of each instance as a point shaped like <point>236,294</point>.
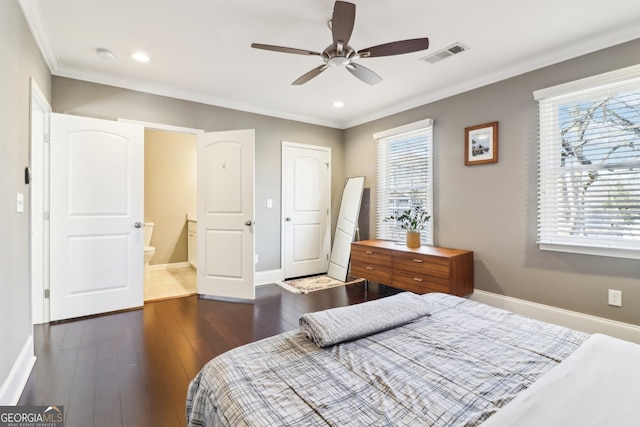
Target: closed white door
<point>96,252</point>
<point>306,178</point>
<point>225,245</point>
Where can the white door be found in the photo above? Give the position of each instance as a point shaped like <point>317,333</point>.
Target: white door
<point>96,181</point>
<point>225,245</point>
<point>306,178</point>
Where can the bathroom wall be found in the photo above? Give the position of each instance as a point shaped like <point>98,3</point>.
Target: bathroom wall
<point>169,191</point>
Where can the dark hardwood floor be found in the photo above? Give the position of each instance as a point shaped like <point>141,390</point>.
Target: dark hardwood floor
<point>133,368</point>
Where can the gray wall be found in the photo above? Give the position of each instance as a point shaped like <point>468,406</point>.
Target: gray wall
<point>491,209</point>
<point>95,100</point>
<point>19,60</point>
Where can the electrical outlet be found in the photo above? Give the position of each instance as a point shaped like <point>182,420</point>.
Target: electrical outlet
<point>615,298</point>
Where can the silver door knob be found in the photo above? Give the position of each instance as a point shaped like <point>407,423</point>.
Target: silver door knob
<point>248,223</point>
<point>288,218</point>
<point>138,225</point>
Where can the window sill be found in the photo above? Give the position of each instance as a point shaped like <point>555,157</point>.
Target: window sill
<point>590,250</point>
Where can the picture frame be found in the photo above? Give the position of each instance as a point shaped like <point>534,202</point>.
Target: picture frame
<point>481,144</point>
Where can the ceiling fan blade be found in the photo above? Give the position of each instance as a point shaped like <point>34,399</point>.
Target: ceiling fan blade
<point>284,49</point>
<point>364,74</point>
<point>311,74</point>
<point>344,16</point>
<point>395,48</point>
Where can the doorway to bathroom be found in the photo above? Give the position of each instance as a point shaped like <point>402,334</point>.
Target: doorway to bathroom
<point>169,207</point>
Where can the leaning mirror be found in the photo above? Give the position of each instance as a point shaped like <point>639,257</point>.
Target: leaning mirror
<point>346,228</point>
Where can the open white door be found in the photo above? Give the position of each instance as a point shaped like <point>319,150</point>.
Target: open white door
<point>306,178</point>
<point>96,216</point>
<point>226,214</point>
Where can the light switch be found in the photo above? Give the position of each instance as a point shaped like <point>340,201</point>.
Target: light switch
<point>20,203</point>
<point>269,203</point>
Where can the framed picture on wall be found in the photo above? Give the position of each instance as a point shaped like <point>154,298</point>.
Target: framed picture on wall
<point>481,144</point>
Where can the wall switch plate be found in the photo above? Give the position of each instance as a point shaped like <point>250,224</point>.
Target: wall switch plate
<point>615,298</point>
<point>20,202</point>
<point>269,203</point>
<point>255,258</point>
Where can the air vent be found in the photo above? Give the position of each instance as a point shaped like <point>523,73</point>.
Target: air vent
<point>444,53</point>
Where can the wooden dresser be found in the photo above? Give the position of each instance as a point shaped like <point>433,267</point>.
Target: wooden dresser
<point>420,270</point>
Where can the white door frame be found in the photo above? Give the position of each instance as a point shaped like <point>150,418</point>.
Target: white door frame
<point>283,198</point>
<point>39,205</point>
<point>160,126</point>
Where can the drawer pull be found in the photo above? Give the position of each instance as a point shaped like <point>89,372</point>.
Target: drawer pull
<point>369,252</point>
<point>369,268</point>
<point>417,260</point>
<point>417,279</point>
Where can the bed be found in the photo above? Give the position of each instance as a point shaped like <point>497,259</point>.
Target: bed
<point>404,360</point>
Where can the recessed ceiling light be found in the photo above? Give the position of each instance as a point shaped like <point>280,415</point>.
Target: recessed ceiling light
<point>338,104</point>
<point>141,57</point>
<point>105,54</point>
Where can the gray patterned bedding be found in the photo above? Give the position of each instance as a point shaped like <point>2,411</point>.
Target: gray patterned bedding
<point>455,366</point>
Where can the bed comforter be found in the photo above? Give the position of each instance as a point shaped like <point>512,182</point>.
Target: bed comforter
<point>455,367</point>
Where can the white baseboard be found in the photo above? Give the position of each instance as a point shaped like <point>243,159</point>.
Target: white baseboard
<point>166,266</point>
<point>12,388</point>
<point>266,277</point>
<point>570,319</point>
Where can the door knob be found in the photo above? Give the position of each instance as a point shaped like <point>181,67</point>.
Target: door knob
<point>288,218</point>
<point>248,223</point>
<point>138,225</point>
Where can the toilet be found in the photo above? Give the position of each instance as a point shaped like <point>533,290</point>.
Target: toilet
<point>149,251</point>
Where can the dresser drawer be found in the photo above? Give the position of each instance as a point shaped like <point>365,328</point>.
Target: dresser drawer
<point>371,263</point>
<point>418,282</point>
<point>422,264</point>
<point>371,271</point>
<point>371,254</point>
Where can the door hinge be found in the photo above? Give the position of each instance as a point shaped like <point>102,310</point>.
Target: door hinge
<point>46,293</point>
<point>328,164</point>
<point>46,216</point>
<point>47,138</point>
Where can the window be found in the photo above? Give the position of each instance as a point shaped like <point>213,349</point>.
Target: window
<point>405,166</point>
<point>589,165</point>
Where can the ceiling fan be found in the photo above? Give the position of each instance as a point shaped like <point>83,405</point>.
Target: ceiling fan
<point>340,54</point>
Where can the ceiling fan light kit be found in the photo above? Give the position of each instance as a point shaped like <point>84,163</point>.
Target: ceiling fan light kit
<point>340,54</point>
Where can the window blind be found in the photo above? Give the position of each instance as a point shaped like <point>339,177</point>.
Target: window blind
<point>589,166</point>
<point>404,177</point>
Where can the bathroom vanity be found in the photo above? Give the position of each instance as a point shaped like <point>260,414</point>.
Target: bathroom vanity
<point>192,226</point>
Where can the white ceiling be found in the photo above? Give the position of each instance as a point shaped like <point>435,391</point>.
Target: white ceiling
<point>200,49</point>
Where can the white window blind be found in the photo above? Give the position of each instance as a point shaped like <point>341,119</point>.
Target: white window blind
<point>589,165</point>
<point>404,176</point>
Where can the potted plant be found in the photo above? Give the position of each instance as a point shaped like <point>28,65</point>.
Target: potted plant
<point>413,220</point>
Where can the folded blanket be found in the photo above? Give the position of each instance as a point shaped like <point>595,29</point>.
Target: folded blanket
<point>333,326</point>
